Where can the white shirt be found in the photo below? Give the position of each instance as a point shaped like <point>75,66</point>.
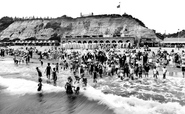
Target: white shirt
<point>117,66</point>
<point>121,74</point>
<point>131,70</point>
<point>164,70</point>
<point>155,71</point>
<point>150,60</point>
<point>109,69</point>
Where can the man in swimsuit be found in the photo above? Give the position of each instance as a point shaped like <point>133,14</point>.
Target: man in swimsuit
<point>39,79</point>
<point>40,85</point>
<point>57,67</point>
<point>39,72</point>
<point>41,62</point>
<point>48,71</point>
<point>54,74</point>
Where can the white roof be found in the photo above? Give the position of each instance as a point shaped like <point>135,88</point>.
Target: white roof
<point>173,40</point>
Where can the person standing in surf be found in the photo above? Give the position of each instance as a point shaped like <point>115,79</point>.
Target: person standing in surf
<point>81,71</point>
<point>136,70</point>
<point>70,80</point>
<point>146,68</point>
<point>100,70</point>
<point>39,72</point>
<point>155,72</point>
<point>41,62</point>
<point>164,72</point>
<point>183,65</point>
<point>140,70</point>
<point>40,85</point>
<point>57,67</point>
<point>84,81</point>
<point>39,79</point>
<point>131,72</point>
<point>68,86</point>
<point>77,87</point>
<point>95,74</point>
<point>54,74</point>
<point>48,71</point>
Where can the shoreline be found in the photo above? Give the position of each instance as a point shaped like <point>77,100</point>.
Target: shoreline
<point>176,74</point>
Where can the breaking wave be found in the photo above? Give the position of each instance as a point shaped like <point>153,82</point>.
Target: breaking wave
<point>119,104</point>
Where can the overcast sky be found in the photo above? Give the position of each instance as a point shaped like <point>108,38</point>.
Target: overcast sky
<point>161,15</point>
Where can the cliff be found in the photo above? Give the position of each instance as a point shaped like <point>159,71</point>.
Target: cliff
<point>65,26</point>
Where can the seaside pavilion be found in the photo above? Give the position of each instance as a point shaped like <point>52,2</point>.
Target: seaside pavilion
<point>173,42</point>
<point>94,41</point>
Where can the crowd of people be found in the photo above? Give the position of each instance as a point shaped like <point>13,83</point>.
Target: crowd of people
<point>99,63</point>
<point>130,64</point>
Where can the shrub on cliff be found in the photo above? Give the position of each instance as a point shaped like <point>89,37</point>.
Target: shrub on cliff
<point>55,36</point>
<point>137,20</point>
<point>65,17</point>
<point>160,36</point>
<point>5,22</point>
<point>53,25</point>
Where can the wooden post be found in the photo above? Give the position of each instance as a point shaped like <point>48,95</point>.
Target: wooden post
<point>138,42</point>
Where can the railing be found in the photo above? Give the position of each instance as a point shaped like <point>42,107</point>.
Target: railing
<point>93,45</point>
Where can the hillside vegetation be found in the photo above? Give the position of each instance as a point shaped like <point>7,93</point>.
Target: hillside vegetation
<point>5,22</point>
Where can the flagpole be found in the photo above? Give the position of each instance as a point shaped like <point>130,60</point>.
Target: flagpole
<point>178,35</point>
<point>120,8</point>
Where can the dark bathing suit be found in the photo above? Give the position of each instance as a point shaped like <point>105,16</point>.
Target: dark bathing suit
<point>48,73</point>
<point>69,88</point>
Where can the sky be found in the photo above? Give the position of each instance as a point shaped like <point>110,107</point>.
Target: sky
<point>164,16</point>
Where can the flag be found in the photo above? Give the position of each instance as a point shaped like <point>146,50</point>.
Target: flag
<point>118,6</point>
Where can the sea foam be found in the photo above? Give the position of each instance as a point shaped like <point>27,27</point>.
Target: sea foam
<point>133,105</point>
<point>120,105</point>
<point>22,86</point>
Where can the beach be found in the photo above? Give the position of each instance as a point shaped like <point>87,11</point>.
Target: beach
<point>109,95</point>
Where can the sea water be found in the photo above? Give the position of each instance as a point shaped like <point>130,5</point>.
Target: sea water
<point>18,94</point>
